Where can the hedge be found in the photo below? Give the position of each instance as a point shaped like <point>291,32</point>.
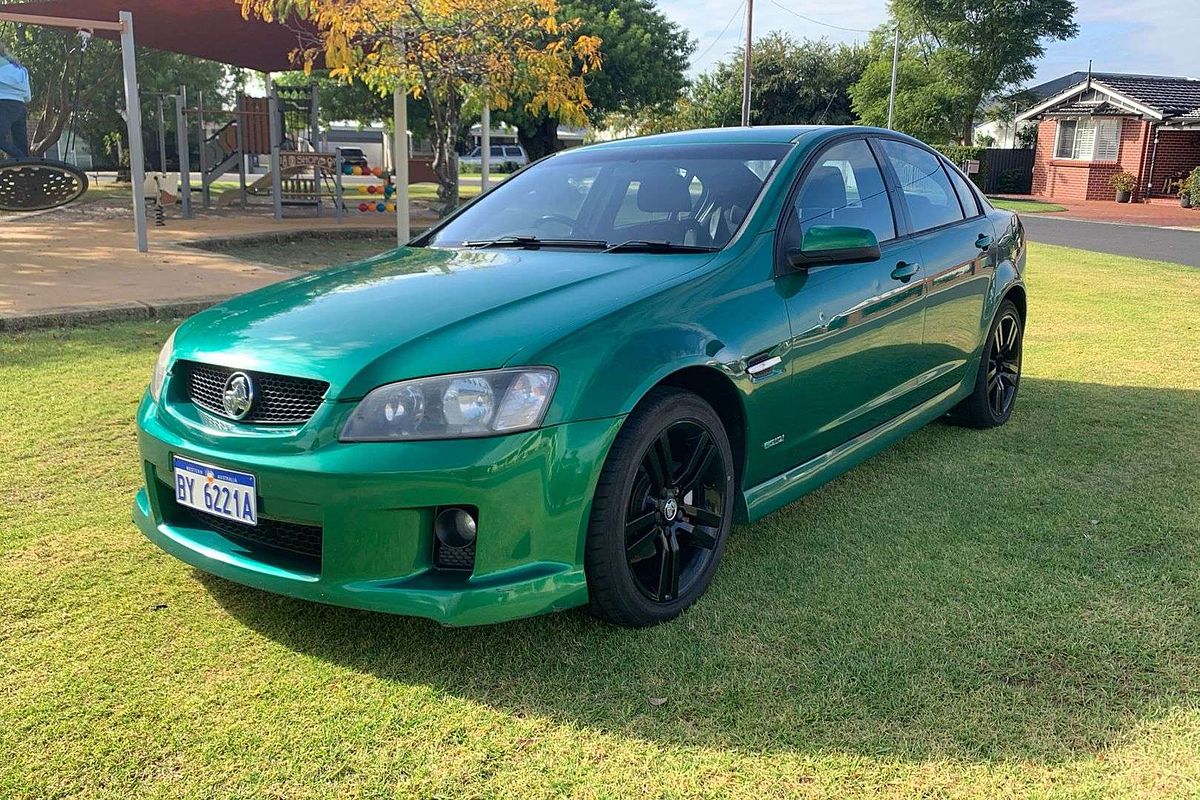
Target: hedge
<point>961,154</point>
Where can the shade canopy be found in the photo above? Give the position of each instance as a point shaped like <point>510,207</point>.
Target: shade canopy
<point>212,29</point>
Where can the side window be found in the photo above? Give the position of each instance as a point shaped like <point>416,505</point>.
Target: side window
<point>844,187</point>
<point>927,192</point>
<point>966,197</point>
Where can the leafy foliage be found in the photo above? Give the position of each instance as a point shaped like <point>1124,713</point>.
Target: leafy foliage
<point>960,154</point>
<point>795,82</point>
<point>450,52</point>
<point>77,85</point>
<point>645,60</point>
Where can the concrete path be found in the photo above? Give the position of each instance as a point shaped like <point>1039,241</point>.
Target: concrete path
<point>1139,241</point>
<point>81,265</point>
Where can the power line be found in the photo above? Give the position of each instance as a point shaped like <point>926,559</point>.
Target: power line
<point>713,43</point>
<point>817,21</point>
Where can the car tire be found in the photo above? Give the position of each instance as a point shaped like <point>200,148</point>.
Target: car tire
<point>991,402</point>
<point>656,535</point>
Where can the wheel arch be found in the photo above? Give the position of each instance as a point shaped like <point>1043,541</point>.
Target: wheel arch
<point>716,389</point>
<point>1016,293</point>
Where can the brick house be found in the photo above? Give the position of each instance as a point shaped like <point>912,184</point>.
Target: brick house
<point>1147,125</point>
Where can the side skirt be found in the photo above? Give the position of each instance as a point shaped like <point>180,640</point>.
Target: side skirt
<point>774,493</point>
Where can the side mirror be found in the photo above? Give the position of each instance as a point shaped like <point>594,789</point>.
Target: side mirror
<point>834,244</point>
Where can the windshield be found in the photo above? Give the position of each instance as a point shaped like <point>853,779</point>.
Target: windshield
<point>693,195</point>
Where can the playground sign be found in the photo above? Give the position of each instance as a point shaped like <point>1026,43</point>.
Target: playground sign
<point>294,159</point>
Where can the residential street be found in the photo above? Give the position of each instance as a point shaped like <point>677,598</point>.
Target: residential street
<point>1161,244</point>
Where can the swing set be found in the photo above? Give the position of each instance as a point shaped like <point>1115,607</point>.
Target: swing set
<point>212,29</point>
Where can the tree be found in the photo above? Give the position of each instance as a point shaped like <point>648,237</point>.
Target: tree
<point>928,102</point>
<point>645,61</point>
<point>986,47</point>
<point>77,86</point>
<point>354,101</point>
<point>795,83</point>
<point>450,52</point>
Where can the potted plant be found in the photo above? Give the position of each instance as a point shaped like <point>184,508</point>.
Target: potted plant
<point>1185,190</point>
<point>1123,183</point>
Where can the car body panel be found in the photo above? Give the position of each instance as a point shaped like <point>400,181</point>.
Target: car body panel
<point>827,366</point>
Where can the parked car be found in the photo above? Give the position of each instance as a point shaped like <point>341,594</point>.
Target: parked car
<point>354,156</point>
<point>568,391</point>
<point>500,155</point>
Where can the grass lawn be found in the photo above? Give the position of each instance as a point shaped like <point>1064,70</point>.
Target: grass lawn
<point>305,252</point>
<point>1010,613</point>
<point>1025,206</point>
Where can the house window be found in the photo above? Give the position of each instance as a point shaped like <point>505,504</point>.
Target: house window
<point>1088,139</point>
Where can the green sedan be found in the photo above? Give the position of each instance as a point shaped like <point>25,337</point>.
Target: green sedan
<point>567,392</point>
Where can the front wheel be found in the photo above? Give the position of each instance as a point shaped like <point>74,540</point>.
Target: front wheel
<point>999,376</point>
<point>662,511</point>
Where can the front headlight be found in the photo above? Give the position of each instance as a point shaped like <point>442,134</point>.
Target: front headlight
<point>160,367</point>
<point>452,406</point>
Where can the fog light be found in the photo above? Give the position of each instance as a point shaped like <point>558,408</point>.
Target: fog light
<point>455,527</point>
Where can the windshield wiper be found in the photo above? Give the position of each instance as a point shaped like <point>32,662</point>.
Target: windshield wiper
<point>533,242</point>
<point>647,246</point>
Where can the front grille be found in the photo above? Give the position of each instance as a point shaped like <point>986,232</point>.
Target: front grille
<point>278,399</point>
<point>302,540</point>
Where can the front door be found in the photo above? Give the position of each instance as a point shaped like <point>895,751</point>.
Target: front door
<point>856,329</point>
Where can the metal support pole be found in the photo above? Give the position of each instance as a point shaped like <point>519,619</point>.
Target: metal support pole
<point>162,138</point>
<point>240,123</point>
<point>133,112</point>
<point>314,139</point>
<point>337,186</point>
<point>895,65</point>
<point>400,150</point>
<point>276,178</point>
<point>181,144</point>
<point>746,64</point>
<point>485,146</point>
<point>204,198</point>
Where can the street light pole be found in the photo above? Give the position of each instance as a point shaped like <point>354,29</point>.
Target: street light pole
<point>746,64</point>
<point>895,64</point>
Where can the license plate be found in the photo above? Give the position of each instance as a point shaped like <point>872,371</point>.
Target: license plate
<point>221,492</point>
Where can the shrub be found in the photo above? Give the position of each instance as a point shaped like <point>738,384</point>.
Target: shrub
<point>1195,179</point>
<point>1011,181</point>
<point>961,154</point>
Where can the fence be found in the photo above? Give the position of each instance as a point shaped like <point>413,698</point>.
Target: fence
<point>1007,171</point>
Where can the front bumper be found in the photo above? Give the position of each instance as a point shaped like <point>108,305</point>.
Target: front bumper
<point>374,505</point>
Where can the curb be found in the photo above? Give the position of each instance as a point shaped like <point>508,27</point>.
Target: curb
<point>70,316</point>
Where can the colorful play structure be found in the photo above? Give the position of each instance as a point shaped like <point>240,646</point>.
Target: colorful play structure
<point>216,30</point>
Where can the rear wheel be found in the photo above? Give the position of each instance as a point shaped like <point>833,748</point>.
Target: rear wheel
<point>662,511</point>
<point>999,376</point>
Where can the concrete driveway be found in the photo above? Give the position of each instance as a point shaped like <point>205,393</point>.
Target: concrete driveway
<point>1140,241</point>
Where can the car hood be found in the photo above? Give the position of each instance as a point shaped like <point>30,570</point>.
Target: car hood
<point>414,312</point>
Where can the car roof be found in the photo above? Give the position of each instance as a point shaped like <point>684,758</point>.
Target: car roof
<point>777,134</point>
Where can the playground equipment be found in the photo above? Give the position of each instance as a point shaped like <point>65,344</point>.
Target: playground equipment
<point>32,184</point>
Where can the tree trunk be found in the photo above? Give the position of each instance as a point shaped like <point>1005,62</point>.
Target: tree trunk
<point>445,117</point>
<point>968,130</point>
<point>542,140</point>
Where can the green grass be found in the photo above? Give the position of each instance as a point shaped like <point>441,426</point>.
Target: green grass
<point>1025,206</point>
<point>1010,613</point>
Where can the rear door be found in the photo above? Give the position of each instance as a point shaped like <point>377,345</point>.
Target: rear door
<point>956,244</point>
<point>856,328</point>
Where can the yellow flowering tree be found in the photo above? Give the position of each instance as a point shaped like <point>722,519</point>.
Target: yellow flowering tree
<point>450,52</point>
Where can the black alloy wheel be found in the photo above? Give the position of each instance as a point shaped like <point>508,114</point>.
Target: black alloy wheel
<point>991,401</point>
<point>662,511</point>
<point>1004,364</point>
<point>675,511</point>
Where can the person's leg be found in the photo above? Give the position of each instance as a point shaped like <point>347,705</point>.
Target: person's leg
<point>13,137</point>
<point>20,131</point>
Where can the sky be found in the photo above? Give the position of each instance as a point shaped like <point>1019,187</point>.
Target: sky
<point>1157,37</point>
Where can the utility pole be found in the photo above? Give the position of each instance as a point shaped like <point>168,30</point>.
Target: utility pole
<point>746,64</point>
<point>895,65</point>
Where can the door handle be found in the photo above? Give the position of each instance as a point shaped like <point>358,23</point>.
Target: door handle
<point>983,242</point>
<point>905,270</point>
